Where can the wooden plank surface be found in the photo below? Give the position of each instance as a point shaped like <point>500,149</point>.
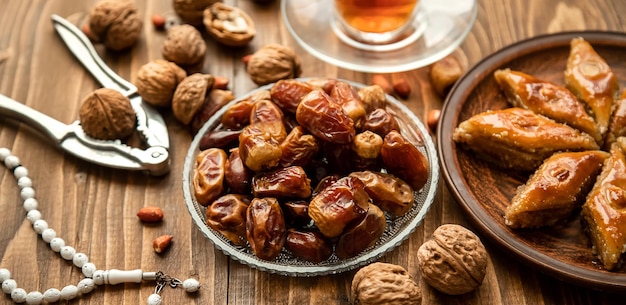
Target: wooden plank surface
<point>93,208</point>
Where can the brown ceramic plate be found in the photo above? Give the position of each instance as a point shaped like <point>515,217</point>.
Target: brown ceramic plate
<point>484,192</point>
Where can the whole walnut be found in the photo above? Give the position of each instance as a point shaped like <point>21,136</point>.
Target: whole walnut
<point>185,47</point>
<point>106,114</point>
<point>190,11</point>
<point>229,25</point>
<point>384,283</point>
<point>190,96</point>
<point>453,261</point>
<point>157,80</point>
<point>272,63</point>
<point>116,23</point>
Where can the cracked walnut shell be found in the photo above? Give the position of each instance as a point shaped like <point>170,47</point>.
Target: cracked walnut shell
<point>229,25</point>
<point>157,80</point>
<point>272,63</point>
<point>190,11</point>
<point>190,96</point>
<point>116,23</point>
<point>384,283</point>
<point>106,114</point>
<point>453,261</point>
<point>184,46</point>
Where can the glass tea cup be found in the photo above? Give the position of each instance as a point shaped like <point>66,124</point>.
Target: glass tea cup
<point>374,24</point>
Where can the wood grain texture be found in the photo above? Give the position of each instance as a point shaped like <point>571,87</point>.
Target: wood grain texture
<point>93,208</point>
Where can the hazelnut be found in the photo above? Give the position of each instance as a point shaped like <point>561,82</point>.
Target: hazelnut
<point>272,63</point>
<point>402,87</point>
<point>453,261</point>
<point>190,96</point>
<point>116,23</point>
<point>432,119</point>
<point>106,114</point>
<point>190,11</point>
<point>383,82</point>
<point>229,25</point>
<point>384,283</point>
<point>444,73</point>
<point>185,47</point>
<point>157,81</point>
<point>162,243</point>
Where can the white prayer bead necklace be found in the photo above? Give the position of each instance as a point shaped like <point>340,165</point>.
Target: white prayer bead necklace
<point>93,276</point>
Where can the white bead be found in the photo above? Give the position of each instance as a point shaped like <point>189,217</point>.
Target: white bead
<point>86,286</point>
<point>67,252</point>
<point>34,298</point>
<point>23,182</point>
<point>30,204</point>
<point>154,299</point>
<point>18,295</point>
<point>4,153</point>
<point>98,277</point>
<point>191,285</point>
<point>27,192</point>
<point>40,225</point>
<point>48,234</point>
<point>80,259</point>
<point>8,286</point>
<point>33,215</point>
<point>69,292</point>
<point>5,274</point>
<point>88,269</point>
<point>11,161</point>
<point>20,172</point>
<point>52,295</point>
<point>56,244</point>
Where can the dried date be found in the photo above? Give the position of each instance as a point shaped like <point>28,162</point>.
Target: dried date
<point>265,228</point>
<point>265,111</point>
<point>298,148</point>
<point>325,118</point>
<point>238,177</point>
<point>388,192</point>
<point>288,182</point>
<point>296,213</point>
<point>360,236</point>
<point>404,160</point>
<point>346,96</point>
<point>259,145</point>
<point>308,245</point>
<point>287,93</point>
<point>237,115</point>
<point>380,122</point>
<point>227,215</point>
<point>219,139</point>
<point>208,178</point>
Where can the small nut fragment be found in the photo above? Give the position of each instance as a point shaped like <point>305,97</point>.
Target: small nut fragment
<point>272,63</point>
<point>161,243</point>
<point>453,261</point>
<point>106,114</point>
<point>190,11</point>
<point>184,46</point>
<point>381,80</point>
<point>158,21</point>
<point>150,214</point>
<point>402,87</point>
<point>444,73</point>
<point>157,81</point>
<point>116,23</point>
<point>190,95</point>
<point>229,25</point>
<point>384,283</point>
<point>432,119</point>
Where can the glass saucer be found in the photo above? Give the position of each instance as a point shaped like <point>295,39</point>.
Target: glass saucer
<point>442,26</point>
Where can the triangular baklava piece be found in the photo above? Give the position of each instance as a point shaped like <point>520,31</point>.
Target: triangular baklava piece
<point>555,190</point>
<point>516,138</point>
<point>617,126</point>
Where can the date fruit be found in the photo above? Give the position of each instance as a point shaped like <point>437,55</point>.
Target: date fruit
<point>287,93</point>
<point>259,145</point>
<point>237,176</point>
<point>208,177</point>
<point>360,236</point>
<point>380,122</point>
<point>350,101</point>
<point>325,118</point>
<point>404,160</point>
<point>387,191</point>
<point>266,231</point>
<point>310,246</point>
<point>288,182</point>
<point>265,111</point>
<point>298,148</point>
<point>227,215</point>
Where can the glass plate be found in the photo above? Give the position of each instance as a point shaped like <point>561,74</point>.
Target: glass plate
<point>397,229</point>
<point>443,25</point>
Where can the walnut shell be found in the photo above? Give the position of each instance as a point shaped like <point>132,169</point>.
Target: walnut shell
<point>384,283</point>
<point>190,11</point>
<point>272,63</point>
<point>453,261</point>
<point>116,23</point>
<point>229,25</point>
<point>157,80</point>
<point>184,46</point>
<point>106,114</point>
<point>190,95</point>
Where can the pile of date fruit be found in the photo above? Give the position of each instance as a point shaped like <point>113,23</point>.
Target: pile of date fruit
<point>313,166</point>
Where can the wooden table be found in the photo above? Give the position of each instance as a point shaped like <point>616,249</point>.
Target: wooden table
<point>94,208</point>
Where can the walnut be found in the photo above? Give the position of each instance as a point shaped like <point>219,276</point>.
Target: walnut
<point>453,261</point>
<point>184,46</point>
<point>190,96</point>
<point>157,80</point>
<point>106,114</point>
<point>229,25</point>
<point>384,283</point>
<point>116,23</point>
<point>190,11</point>
<point>272,63</point>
